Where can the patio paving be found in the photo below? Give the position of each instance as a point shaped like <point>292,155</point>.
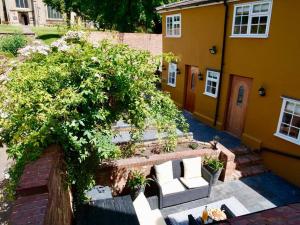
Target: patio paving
<point>205,133</point>
<point>256,193</point>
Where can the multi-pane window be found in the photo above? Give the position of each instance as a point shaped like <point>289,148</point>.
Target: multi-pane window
<point>212,83</point>
<point>53,14</point>
<point>172,74</point>
<point>252,19</point>
<point>173,25</point>
<point>289,121</point>
<point>21,3</point>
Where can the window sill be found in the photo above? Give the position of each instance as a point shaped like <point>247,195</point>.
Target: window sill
<point>279,135</point>
<point>250,36</point>
<point>173,36</point>
<point>172,85</point>
<point>210,95</point>
<point>55,19</point>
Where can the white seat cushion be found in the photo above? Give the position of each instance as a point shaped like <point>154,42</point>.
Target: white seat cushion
<point>194,182</point>
<point>173,186</point>
<point>192,167</point>
<point>145,215</point>
<point>142,209</point>
<point>158,217</point>
<point>164,172</point>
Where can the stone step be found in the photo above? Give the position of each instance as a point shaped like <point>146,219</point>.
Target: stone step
<point>241,150</point>
<point>249,171</point>
<point>243,161</point>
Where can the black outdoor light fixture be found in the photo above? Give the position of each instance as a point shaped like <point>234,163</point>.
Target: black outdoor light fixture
<point>163,67</point>
<point>213,50</point>
<point>177,71</point>
<point>262,91</point>
<point>200,76</point>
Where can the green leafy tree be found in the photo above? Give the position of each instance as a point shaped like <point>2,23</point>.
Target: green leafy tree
<point>71,95</point>
<point>120,15</point>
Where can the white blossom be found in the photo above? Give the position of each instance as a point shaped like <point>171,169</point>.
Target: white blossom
<point>28,50</point>
<point>6,176</point>
<point>95,59</point>
<point>74,35</point>
<point>96,45</point>
<point>98,75</point>
<point>60,45</point>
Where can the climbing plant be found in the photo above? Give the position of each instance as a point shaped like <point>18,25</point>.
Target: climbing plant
<point>71,93</point>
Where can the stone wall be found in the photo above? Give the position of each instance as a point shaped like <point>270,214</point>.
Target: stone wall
<point>150,42</point>
<point>42,196</point>
<point>115,174</point>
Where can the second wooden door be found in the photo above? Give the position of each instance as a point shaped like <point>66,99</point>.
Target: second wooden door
<point>192,73</point>
<point>238,102</point>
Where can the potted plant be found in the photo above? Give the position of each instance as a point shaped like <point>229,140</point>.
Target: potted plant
<point>215,167</point>
<point>137,182</point>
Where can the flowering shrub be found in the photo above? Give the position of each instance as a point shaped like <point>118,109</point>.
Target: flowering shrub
<point>11,43</point>
<point>73,97</point>
<point>60,45</point>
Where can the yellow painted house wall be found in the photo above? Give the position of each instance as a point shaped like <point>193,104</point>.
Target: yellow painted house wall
<point>271,62</point>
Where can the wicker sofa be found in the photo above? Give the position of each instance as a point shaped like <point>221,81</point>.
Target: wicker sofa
<point>182,193</point>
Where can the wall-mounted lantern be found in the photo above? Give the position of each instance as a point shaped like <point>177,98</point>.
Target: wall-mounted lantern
<point>177,71</point>
<point>163,67</point>
<point>213,50</point>
<point>262,91</point>
<point>200,76</point>
<point>157,72</point>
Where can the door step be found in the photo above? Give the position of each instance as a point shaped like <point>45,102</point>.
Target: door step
<point>249,171</point>
<point>248,163</point>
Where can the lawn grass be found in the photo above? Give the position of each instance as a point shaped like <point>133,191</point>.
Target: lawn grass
<point>49,34</point>
<point>10,28</point>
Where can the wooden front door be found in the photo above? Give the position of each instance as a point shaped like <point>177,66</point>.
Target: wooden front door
<point>191,77</point>
<point>238,101</point>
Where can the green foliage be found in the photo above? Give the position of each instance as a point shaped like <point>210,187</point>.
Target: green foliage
<point>213,164</point>
<point>11,43</point>
<point>193,145</point>
<point>123,16</point>
<point>137,179</point>
<point>73,96</point>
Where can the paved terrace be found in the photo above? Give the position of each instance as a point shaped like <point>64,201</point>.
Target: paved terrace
<point>205,133</point>
<point>256,193</point>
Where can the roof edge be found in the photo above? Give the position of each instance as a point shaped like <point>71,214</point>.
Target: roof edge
<point>174,6</point>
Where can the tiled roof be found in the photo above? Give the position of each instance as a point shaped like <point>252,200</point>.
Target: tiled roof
<point>185,4</point>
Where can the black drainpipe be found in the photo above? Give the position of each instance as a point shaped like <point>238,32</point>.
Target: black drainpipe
<point>222,62</point>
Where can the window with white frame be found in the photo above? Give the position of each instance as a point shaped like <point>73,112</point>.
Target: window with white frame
<point>289,122</point>
<point>172,74</point>
<point>53,13</point>
<point>252,19</point>
<point>212,83</point>
<point>21,3</point>
<point>173,25</point>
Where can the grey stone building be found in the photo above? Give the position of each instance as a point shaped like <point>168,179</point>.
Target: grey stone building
<point>28,12</point>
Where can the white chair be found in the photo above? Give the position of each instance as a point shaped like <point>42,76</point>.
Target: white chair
<point>145,215</point>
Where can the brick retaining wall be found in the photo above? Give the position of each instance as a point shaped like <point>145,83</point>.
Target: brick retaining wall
<point>42,197</point>
<point>116,173</point>
<point>150,42</point>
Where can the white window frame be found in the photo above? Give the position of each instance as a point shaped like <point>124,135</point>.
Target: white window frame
<point>50,18</point>
<point>217,80</point>
<point>172,71</point>
<point>283,136</point>
<point>24,4</point>
<point>171,35</point>
<point>251,14</point>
